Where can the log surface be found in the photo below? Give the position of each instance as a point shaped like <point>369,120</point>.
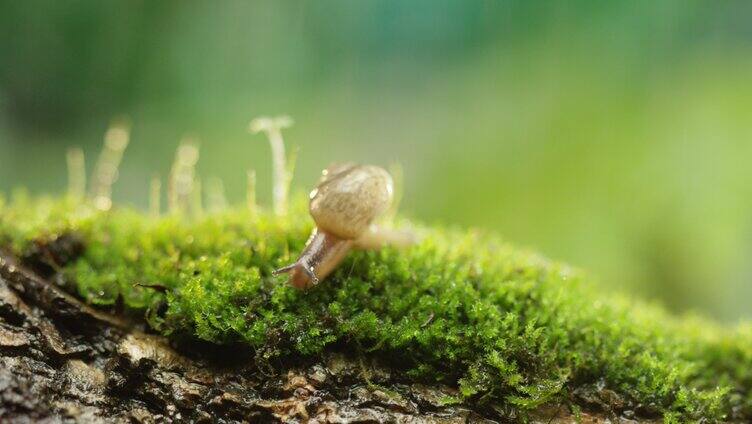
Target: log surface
<point>63,361</point>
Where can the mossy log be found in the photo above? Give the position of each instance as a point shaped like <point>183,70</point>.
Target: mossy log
<point>63,361</point>
<point>117,315</point>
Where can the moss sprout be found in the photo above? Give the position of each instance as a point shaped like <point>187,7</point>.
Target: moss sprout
<point>282,165</point>
<point>116,140</point>
<point>184,188</point>
<point>76,172</point>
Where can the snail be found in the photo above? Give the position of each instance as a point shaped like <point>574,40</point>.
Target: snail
<point>344,204</point>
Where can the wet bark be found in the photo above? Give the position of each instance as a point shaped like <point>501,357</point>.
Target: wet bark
<point>63,361</point>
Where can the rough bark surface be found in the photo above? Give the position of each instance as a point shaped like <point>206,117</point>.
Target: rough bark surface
<point>63,361</point>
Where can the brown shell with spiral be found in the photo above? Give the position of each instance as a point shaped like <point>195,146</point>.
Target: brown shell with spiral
<point>349,197</point>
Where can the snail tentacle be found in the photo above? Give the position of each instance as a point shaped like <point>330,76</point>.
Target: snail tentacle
<point>285,269</point>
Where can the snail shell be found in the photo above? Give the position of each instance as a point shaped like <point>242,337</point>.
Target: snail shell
<point>345,202</point>
<point>349,197</point>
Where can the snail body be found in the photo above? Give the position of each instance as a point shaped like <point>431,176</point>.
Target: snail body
<point>344,204</point>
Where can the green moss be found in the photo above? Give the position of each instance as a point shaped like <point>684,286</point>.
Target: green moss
<point>504,325</point>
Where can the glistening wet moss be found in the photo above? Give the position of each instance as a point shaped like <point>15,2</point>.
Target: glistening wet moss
<point>506,326</point>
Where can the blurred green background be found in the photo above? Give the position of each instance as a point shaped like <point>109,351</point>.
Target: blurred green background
<point>613,135</point>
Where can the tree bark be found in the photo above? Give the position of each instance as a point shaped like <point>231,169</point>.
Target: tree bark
<point>64,361</point>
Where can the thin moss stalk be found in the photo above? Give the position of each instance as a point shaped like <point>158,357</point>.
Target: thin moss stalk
<point>282,175</point>
<point>183,177</point>
<point>250,193</point>
<point>155,196</point>
<point>76,172</point>
<point>106,170</point>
